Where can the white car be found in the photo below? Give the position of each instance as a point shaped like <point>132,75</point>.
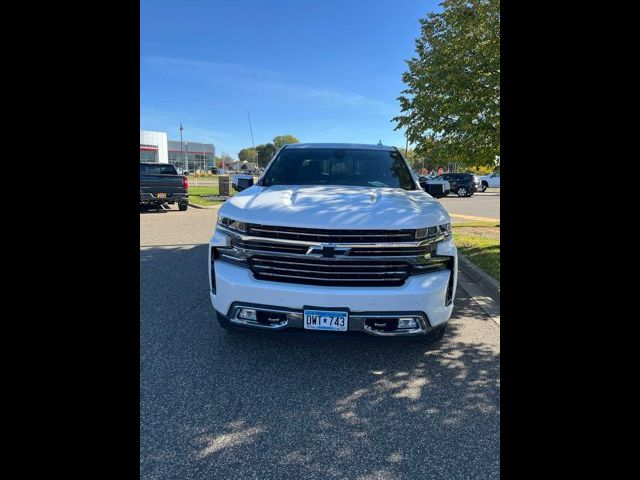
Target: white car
<point>490,181</point>
<point>334,239</point>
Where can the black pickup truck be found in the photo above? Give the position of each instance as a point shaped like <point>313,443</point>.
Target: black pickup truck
<point>160,184</point>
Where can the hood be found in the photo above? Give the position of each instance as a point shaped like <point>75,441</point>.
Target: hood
<point>335,207</point>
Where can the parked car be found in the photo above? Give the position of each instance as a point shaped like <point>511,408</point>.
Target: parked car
<point>160,184</point>
<point>241,181</point>
<point>462,184</point>
<point>435,187</point>
<point>492,180</point>
<point>334,239</point>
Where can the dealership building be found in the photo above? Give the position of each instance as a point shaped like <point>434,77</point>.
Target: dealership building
<point>155,147</point>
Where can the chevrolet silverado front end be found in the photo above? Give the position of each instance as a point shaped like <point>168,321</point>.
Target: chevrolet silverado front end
<point>334,238</point>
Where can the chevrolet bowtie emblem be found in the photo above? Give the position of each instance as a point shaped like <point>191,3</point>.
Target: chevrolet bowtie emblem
<point>327,250</point>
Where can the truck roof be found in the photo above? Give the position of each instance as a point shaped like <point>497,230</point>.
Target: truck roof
<point>355,146</point>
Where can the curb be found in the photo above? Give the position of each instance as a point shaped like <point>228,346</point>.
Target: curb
<point>483,289</point>
<point>479,275</point>
<point>200,207</point>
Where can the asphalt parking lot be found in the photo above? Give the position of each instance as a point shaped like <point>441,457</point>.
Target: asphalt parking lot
<point>215,404</point>
<point>481,205</point>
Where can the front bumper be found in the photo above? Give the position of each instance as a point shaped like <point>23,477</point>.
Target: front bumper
<point>424,295</point>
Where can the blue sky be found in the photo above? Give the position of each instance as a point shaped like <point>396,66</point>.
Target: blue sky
<point>322,70</point>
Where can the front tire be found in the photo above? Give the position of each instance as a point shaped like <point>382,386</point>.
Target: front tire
<point>436,335</point>
<point>462,192</point>
<point>485,185</point>
<point>183,206</point>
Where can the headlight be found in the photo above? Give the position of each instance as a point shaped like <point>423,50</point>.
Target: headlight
<point>234,225</point>
<point>443,230</point>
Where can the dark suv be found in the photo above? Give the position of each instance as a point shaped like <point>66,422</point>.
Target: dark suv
<point>462,184</point>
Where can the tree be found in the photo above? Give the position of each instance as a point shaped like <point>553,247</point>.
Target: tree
<point>248,155</point>
<point>417,160</point>
<point>281,140</point>
<point>265,152</point>
<point>451,106</point>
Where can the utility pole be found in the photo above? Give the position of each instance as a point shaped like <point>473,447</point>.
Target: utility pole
<point>252,143</point>
<point>181,154</point>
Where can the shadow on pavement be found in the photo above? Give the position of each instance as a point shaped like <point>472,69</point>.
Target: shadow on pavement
<point>217,404</point>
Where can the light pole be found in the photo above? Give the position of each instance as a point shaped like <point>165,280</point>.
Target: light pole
<point>181,154</point>
<point>186,154</point>
<point>252,143</point>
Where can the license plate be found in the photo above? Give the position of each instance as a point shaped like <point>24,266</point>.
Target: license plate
<point>161,195</point>
<point>326,320</point>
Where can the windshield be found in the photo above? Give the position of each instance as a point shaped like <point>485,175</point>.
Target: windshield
<point>339,166</point>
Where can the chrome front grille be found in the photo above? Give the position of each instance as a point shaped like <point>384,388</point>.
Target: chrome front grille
<point>330,236</point>
<point>334,257</point>
<point>259,245</point>
<point>330,272</point>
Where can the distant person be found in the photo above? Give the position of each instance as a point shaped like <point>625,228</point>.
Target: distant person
<point>440,171</point>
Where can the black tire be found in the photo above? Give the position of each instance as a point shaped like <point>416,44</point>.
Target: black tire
<point>228,328</point>
<point>183,206</point>
<point>462,192</point>
<point>224,323</point>
<point>485,185</point>
<point>437,334</point>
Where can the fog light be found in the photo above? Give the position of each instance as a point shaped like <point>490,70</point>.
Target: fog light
<point>248,314</point>
<point>407,323</point>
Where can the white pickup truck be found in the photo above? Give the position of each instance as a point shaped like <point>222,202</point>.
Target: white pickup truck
<point>490,181</point>
<point>334,239</point>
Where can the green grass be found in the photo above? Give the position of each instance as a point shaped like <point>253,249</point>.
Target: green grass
<point>197,194</point>
<point>203,202</point>
<point>203,191</point>
<point>480,243</point>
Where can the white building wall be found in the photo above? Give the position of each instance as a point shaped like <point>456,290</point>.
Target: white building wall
<point>157,139</point>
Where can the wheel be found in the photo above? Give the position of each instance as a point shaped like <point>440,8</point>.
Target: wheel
<point>437,334</point>
<point>461,192</point>
<point>224,323</point>
<point>183,206</point>
<point>485,185</point>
